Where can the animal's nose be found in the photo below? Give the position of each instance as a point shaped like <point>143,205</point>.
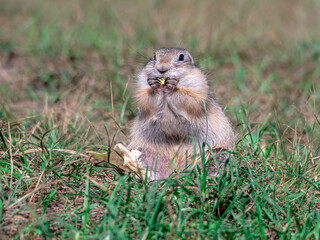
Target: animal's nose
<point>163,68</point>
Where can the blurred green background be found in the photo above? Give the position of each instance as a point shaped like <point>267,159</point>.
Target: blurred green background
<point>260,54</point>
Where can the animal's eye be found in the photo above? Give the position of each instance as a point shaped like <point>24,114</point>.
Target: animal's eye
<point>154,58</point>
<point>181,57</point>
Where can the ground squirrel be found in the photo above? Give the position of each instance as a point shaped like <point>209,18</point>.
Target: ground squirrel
<point>176,114</point>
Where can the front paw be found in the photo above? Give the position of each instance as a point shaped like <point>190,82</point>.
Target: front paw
<point>171,84</point>
<point>153,83</point>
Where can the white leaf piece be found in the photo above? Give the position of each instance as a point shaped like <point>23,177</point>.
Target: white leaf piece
<point>131,159</point>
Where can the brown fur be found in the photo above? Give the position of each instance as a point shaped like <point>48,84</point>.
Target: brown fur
<point>170,115</point>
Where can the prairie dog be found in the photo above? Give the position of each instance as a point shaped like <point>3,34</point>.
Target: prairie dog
<point>176,116</point>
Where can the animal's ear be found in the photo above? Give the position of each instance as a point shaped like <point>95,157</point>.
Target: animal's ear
<point>190,57</point>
